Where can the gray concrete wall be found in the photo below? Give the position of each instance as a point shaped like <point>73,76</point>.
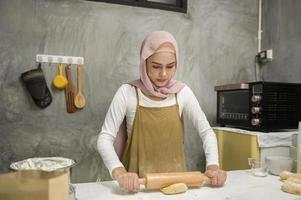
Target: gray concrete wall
<point>282,33</point>
<point>217,41</point>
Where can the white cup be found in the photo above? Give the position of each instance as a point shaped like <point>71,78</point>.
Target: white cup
<point>258,168</point>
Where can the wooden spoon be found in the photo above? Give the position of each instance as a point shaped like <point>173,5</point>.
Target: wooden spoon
<point>59,80</point>
<point>69,91</point>
<point>79,99</point>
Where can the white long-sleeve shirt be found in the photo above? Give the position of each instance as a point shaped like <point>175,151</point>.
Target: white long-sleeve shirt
<point>124,104</point>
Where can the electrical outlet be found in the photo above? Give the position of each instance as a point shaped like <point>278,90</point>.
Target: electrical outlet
<point>270,54</point>
<point>265,56</point>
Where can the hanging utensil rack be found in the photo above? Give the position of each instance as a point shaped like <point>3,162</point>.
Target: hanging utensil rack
<point>44,58</point>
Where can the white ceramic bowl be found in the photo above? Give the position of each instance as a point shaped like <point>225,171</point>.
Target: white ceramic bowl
<point>277,164</point>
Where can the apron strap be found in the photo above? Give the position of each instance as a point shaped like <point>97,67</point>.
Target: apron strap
<point>176,96</point>
<point>137,96</point>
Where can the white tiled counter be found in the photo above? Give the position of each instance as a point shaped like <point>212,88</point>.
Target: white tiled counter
<point>240,185</point>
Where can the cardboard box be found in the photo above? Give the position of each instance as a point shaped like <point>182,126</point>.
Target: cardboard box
<point>34,185</point>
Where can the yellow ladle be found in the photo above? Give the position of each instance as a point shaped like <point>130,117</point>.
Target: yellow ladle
<point>59,80</point>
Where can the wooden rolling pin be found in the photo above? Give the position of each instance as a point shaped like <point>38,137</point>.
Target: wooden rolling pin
<point>161,180</point>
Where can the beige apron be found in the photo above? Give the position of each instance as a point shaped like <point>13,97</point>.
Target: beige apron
<point>156,141</point>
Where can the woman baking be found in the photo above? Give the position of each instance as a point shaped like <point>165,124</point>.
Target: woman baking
<point>152,108</point>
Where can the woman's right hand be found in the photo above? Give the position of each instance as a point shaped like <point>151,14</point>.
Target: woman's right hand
<point>127,181</point>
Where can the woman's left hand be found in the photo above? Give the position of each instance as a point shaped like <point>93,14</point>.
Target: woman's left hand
<point>217,176</point>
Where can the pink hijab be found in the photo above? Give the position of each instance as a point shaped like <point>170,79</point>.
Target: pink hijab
<point>149,46</point>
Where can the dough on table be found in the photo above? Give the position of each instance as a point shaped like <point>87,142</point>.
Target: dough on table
<point>292,182</point>
<point>286,174</point>
<point>292,187</point>
<point>174,188</point>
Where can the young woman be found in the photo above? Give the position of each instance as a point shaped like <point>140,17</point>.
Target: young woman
<point>152,107</point>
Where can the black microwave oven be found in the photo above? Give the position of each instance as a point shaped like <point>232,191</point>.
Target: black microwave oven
<point>262,106</point>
